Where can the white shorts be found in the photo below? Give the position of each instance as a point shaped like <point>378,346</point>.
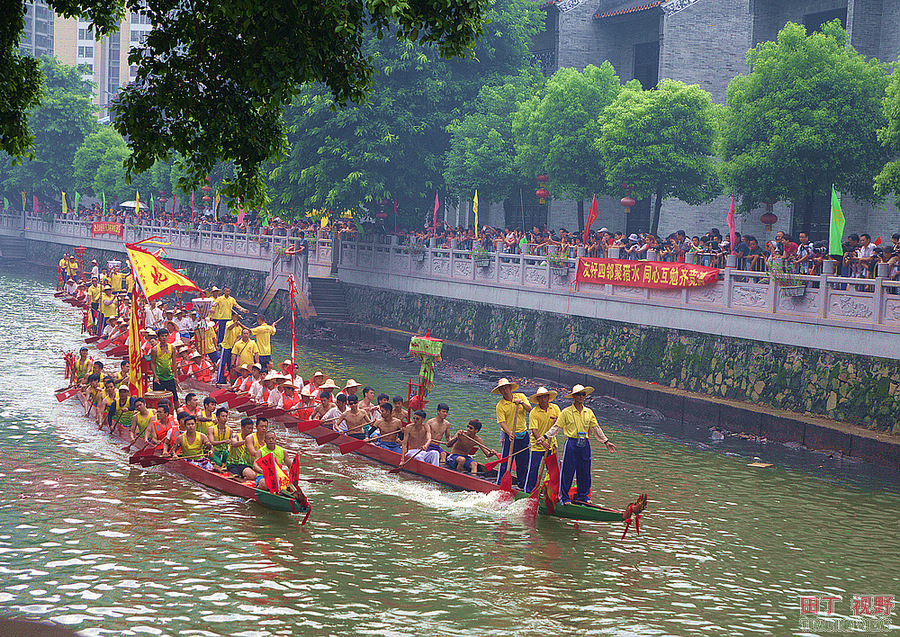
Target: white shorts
<point>431,457</point>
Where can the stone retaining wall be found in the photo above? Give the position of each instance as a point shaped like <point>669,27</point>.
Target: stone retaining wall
<point>857,389</point>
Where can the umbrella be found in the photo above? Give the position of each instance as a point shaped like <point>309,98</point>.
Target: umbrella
<point>132,204</point>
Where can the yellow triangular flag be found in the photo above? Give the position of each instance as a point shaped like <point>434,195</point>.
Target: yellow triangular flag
<point>475,208</point>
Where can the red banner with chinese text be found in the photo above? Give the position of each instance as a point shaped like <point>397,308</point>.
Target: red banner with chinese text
<point>107,227</point>
<point>659,275</point>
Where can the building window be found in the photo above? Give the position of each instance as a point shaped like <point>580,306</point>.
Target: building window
<point>814,21</point>
<point>85,34</point>
<point>646,64</point>
<point>85,51</point>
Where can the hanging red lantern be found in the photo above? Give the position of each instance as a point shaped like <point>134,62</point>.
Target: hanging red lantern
<point>543,179</point>
<point>381,215</point>
<point>628,202</point>
<point>206,199</point>
<point>768,219</point>
<point>542,194</point>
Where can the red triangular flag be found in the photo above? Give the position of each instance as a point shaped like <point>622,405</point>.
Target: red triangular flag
<point>267,463</point>
<point>878,241</point>
<point>592,217</point>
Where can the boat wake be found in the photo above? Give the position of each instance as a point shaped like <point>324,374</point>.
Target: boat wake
<point>495,504</point>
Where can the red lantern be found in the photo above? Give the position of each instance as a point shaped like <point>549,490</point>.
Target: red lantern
<point>628,202</point>
<point>206,189</point>
<point>416,403</point>
<point>768,220</point>
<point>381,215</point>
<point>543,179</point>
<point>207,199</point>
<point>542,194</point>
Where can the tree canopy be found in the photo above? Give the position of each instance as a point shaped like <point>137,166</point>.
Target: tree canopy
<point>662,143</point>
<point>806,117</point>
<point>214,75</point>
<point>555,131</point>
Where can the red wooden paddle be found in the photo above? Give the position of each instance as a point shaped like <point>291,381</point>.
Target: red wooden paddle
<point>334,435</point>
<point>236,401</point>
<point>403,463</point>
<point>490,465</point>
<point>91,339</point>
<point>306,425</point>
<point>65,395</point>
<point>353,445</point>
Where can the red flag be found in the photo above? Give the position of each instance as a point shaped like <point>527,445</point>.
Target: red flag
<point>592,217</point>
<point>878,241</point>
<point>436,205</point>
<point>36,205</point>
<point>292,291</point>
<point>395,213</point>
<point>267,463</point>
<point>730,221</point>
<point>193,212</point>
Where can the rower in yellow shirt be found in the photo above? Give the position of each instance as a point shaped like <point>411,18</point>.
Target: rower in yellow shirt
<point>222,308</point>
<point>115,280</point>
<point>72,267</point>
<point>231,334</point>
<point>107,307</point>
<point>263,333</point>
<point>541,418</point>
<point>512,411</point>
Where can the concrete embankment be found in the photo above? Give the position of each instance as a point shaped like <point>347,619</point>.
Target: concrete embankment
<point>694,411</point>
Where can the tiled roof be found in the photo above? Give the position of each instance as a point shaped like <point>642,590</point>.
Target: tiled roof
<point>610,8</point>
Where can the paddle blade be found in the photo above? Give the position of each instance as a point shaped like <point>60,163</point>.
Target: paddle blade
<point>152,461</point>
<point>92,339</point>
<point>548,499</point>
<point>219,393</point>
<point>323,440</point>
<point>506,481</point>
<point>66,394</point>
<point>349,447</point>
<point>318,480</point>
<point>306,425</point>
<point>488,466</point>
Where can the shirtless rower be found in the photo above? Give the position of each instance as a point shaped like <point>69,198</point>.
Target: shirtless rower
<point>325,406</point>
<point>400,413</point>
<point>463,447</point>
<point>389,428</point>
<point>417,440</point>
<point>367,403</point>
<point>353,420</point>
<point>440,429</point>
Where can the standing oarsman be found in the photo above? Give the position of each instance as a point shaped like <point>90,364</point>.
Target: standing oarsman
<point>512,412</point>
<point>108,307</point>
<point>223,307</point>
<point>162,367</point>
<point>263,333</point>
<point>231,334</point>
<point>540,420</point>
<point>577,423</point>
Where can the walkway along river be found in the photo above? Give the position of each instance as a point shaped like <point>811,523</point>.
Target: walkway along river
<point>726,549</point>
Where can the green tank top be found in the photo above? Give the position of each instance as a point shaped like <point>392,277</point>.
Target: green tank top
<point>238,455</point>
<point>191,450</point>
<point>164,364</point>
<point>278,452</point>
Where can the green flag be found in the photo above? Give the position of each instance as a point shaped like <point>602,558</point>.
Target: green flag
<point>75,203</point>
<point>152,209</point>
<point>5,203</point>
<point>837,224</point>
<point>103,196</point>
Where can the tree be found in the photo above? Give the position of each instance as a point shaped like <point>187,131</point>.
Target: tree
<point>482,152</point>
<point>888,180</point>
<point>214,75</point>
<point>60,125</point>
<point>662,142</point>
<point>93,154</point>
<point>555,132</point>
<point>806,117</point>
<point>394,144</point>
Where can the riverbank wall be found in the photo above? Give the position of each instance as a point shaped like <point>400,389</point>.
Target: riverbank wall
<point>694,411</point>
<point>861,390</point>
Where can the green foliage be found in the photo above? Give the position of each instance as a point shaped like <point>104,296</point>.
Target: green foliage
<point>888,180</point>
<point>555,132</point>
<point>394,144</point>
<point>805,118</point>
<point>482,154</point>
<point>60,124</point>
<point>662,142</point>
<point>215,75</point>
<point>104,152</point>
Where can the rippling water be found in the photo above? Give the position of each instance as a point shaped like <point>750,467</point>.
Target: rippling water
<point>92,543</point>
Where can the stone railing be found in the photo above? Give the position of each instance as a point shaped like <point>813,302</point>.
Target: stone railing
<point>527,281</point>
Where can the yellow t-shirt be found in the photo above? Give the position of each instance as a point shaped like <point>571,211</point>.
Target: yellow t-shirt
<point>209,339</point>
<point>541,421</point>
<point>263,333</point>
<point>222,307</point>
<point>72,267</point>
<point>63,264</point>
<point>95,292</point>
<point>245,352</point>
<point>506,412</point>
<point>577,424</point>
<point>107,310</point>
<point>129,283</point>
<point>115,280</point>
<point>232,334</point>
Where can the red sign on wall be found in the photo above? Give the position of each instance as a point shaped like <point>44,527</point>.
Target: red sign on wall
<point>107,227</point>
<point>644,274</point>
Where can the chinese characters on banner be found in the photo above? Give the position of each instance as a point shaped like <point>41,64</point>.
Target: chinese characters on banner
<point>107,227</point>
<point>868,613</point>
<point>644,274</point>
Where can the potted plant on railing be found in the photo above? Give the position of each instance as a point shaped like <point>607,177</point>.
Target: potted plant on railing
<point>482,257</point>
<point>415,251</point>
<point>285,255</point>
<point>789,282</point>
<point>559,264</point>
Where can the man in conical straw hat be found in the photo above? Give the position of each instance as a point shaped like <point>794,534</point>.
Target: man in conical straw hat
<point>540,420</point>
<point>577,422</point>
<point>512,414</point>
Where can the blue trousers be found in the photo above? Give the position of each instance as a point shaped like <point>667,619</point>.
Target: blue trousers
<point>577,464</point>
<point>220,329</point>
<point>534,468</point>
<point>520,461</point>
<point>224,365</point>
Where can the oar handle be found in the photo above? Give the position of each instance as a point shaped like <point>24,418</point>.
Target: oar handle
<point>491,465</point>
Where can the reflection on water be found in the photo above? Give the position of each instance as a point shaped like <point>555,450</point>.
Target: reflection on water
<point>90,542</point>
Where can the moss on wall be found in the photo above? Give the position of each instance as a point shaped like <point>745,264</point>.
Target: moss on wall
<point>858,389</point>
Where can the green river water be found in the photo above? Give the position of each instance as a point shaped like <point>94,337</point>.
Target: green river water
<point>104,548</point>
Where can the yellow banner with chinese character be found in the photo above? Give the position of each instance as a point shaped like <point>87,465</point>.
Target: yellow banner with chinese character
<point>156,277</point>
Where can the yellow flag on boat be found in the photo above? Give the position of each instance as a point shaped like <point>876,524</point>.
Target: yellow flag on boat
<point>65,209</point>
<point>156,277</point>
<point>135,377</point>
<point>216,209</point>
<point>475,208</point>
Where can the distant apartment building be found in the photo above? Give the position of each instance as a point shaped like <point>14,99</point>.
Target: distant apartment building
<point>73,42</point>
